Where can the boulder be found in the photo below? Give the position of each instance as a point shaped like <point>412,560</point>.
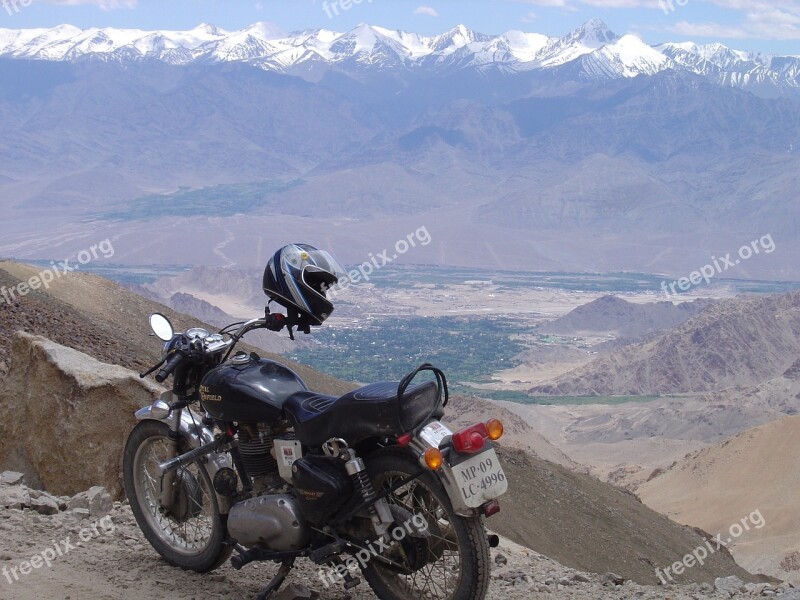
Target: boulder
<point>64,416</point>
<point>14,497</point>
<point>11,478</point>
<point>45,504</point>
<point>96,500</point>
<point>729,585</point>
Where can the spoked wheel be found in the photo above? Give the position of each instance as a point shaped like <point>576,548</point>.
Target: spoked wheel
<point>188,534</point>
<point>449,560</point>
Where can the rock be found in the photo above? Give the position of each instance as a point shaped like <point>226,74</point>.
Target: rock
<point>757,589</point>
<point>45,504</point>
<point>580,578</point>
<point>513,577</point>
<point>96,500</point>
<point>62,395</point>
<point>11,478</point>
<point>500,560</point>
<point>730,585</point>
<point>612,579</point>
<point>80,513</point>
<point>789,595</point>
<point>14,497</point>
<point>296,592</point>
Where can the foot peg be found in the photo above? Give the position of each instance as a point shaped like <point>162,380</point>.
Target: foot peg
<point>324,554</point>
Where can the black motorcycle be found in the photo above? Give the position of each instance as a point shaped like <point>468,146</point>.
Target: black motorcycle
<point>241,458</point>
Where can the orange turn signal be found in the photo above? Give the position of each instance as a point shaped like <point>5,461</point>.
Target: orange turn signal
<point>494,429</point>
<point>433,459</point>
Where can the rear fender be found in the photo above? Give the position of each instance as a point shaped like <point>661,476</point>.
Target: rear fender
<point>193,431</point>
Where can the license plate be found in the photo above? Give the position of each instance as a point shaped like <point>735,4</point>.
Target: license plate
<point>480,479</point>
<point>434,433</point>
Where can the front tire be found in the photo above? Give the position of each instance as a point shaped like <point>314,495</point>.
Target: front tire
<point>455,564</point>
<point>192,534</point>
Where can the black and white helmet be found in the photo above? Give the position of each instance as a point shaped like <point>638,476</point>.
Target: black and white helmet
<point>298,277</point>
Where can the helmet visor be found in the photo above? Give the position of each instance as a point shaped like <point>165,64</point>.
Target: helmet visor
<point>312,260</point>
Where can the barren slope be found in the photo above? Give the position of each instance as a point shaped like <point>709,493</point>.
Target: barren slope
<point>744,341</point>
<point>715,488</point>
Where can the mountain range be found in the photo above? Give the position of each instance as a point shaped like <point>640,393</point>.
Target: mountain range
<point>593,50</point>
<point>516,151</point>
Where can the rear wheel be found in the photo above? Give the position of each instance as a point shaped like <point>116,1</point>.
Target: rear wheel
<point>448,561</point>
<point>191,533</point>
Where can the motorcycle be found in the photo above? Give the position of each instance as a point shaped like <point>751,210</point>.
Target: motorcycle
<point>241,460</point>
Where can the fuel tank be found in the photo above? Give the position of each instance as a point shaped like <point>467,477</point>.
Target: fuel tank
<point>249,389</point>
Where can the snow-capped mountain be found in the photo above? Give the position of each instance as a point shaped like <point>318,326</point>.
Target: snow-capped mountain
<point>593,50</point>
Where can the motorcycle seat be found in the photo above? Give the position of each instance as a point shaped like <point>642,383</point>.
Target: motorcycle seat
<point>370,411</point>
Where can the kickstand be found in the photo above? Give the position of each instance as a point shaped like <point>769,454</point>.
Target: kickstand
<point>278,580</point>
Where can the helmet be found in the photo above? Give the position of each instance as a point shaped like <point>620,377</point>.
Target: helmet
<point>297,277</point>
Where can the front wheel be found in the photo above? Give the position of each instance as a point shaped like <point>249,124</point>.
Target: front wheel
<point>449,560</point>
<point>191,533</point>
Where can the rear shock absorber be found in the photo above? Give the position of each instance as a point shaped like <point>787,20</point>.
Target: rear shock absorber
<point>378,511</point>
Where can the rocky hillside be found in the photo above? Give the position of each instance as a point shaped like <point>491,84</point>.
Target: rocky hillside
<point>101,318</point>
<point>717,486</point>
<point>740,342</point>
<point>614,315</point>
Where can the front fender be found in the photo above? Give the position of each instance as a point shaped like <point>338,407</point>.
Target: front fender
<point>193,431</point>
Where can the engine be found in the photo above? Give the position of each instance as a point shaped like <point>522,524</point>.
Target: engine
<point>274,521</point>
<point>255,446</point>
<point>257,449</point>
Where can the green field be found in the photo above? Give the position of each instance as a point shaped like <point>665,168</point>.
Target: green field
<point>217,201</point>
<point>466,348</point>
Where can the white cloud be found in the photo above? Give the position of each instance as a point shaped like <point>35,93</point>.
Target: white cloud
<point>772,20</point>
<point>426,10</point>
<point>529,18</point>
<point>759,19</point>
<point>709,30</point>
<point>104,4</point>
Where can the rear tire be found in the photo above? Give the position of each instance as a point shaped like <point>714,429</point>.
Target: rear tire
<point>457,566</point>
<point>192,536</point>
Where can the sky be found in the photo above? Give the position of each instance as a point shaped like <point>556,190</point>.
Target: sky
<point>771,26</point>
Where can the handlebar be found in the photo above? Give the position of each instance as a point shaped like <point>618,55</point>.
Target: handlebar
<point>172,363</point>
<point>273,322</point>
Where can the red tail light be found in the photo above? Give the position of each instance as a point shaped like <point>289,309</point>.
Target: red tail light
<point>471,439</point>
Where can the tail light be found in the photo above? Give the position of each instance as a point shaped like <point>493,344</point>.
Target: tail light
<point>471,439</point>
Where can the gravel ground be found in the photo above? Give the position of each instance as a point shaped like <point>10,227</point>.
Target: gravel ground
<point>115,562</point>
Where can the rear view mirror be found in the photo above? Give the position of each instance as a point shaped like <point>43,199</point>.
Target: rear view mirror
<point>161,327</point>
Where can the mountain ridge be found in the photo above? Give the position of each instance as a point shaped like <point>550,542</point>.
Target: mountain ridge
<point>602,54</point>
